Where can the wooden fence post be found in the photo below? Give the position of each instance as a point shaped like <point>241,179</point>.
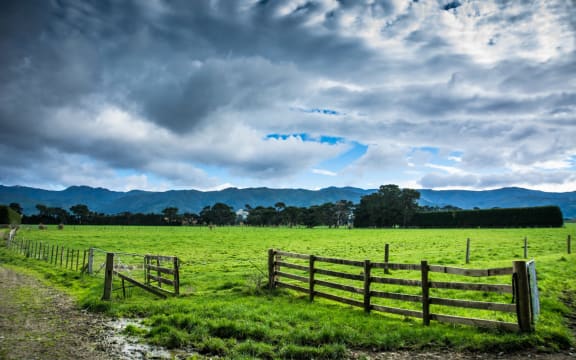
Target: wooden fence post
<point>525,247</point>
<point>367,269</point>
<point>311,272</point>
<point>271,268</point>
<point>386,258</point>
<point>147,269</point>
<point>158,273</point>
<point>176,276</point>
<point>90,261</point>
<point>108,274</point>
<point>468,251</point>
<point>425,293</point>
<point>84,262</point>
<point>568,244</point>
<point>522,296</point>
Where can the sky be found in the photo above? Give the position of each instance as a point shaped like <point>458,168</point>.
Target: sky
<point>208,94</point>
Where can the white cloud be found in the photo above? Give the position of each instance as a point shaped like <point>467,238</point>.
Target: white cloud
<point>184,94</point>
<point>324,172</point>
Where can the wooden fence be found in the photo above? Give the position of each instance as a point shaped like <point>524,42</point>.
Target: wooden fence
<point>309,267</point>
<point>156,267</point>
<point>162,266</point>
<point>58,255</point>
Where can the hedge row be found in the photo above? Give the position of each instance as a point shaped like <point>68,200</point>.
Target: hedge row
<point>542,216</point>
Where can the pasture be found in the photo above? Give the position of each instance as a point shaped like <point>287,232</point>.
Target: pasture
<point>225,309</point>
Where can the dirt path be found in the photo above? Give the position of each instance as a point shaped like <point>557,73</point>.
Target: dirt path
<point>38,322</point>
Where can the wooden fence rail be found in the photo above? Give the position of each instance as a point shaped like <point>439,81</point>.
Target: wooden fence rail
<point>279,268</point>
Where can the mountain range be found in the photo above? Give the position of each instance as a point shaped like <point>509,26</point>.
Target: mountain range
<point>137,201</point>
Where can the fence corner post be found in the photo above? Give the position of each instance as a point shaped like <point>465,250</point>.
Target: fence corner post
<point>271,270</point>
<point>522,296</point>
<point>108,276</point>
<point>367,280</point>
<point>569,244</point>
<point>468,251</point>
<point>425,293</point>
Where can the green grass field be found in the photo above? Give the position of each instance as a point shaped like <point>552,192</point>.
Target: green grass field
<point>225,311</point>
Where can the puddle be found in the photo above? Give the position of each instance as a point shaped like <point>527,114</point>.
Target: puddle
<point>125,347</point>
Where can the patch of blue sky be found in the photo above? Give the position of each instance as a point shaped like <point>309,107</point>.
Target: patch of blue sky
<point>356,151</point>
<point>318,111</point>
<point>572,162</point>
<point>324,139</point>
<point>438,156</point>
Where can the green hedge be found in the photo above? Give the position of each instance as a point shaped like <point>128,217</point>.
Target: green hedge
<point>542,216</point>
<point>9,216</point>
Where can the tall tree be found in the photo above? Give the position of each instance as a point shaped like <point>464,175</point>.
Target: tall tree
<point>218,214</point>
<point>390,206</point>
<point>170,215</point>
<point>81,213</point>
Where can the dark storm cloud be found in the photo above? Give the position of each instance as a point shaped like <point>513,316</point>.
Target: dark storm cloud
<point>134,84</point>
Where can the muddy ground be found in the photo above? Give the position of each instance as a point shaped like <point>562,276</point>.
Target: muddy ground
<point>39,322</point>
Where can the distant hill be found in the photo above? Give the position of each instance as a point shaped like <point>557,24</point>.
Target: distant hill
<point>136,201</point>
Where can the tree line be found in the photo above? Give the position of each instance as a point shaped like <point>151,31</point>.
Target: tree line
<point>390,206</point>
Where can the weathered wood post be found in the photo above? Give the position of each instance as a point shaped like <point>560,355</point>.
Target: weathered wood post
<point>525,247</point>
<point>271,267</point>
<point>90,261</point>
<point>108,275</point>
<point>147,269</point>
<point>311,280</point>
<point>522,296</point>
<point>568,244</point>
<point>158,273</point>
<point>386,258</point>
<point>176,276</point>
<point>367,270</point>
<point>425,293</point>
<point>468,251</point>
<point>84,266</point>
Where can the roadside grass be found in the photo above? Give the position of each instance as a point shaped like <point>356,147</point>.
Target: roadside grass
<point>226,311</point>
